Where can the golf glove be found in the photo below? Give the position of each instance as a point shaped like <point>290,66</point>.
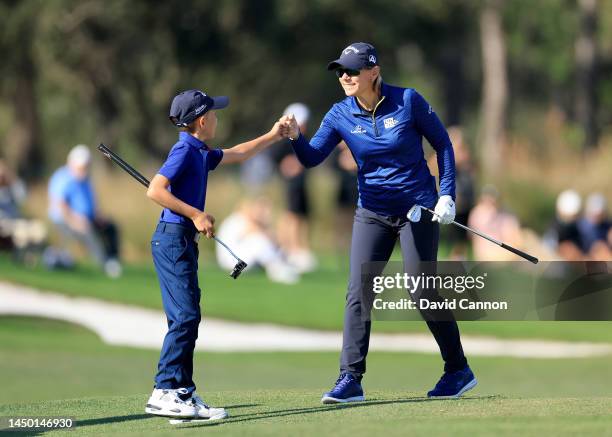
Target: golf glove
<point>445,210</point>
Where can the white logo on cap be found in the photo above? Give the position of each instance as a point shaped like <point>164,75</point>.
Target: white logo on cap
<point>199,109</point>
<point>350,49</point>
<point>372,59</point>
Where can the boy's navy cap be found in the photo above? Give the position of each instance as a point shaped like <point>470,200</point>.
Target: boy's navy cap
<point>357,56</point>
<point>191,104</point>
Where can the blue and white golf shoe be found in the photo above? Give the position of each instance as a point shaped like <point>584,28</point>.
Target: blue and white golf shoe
<point>453,384</point>
<point>347,389</point>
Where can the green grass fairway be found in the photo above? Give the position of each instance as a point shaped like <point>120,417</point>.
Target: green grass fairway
<point>296,412</point>
<point>53,368</point>
<point>316,302</point>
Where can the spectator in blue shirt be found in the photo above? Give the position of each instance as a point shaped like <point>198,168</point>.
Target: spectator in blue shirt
<point>180,188</point>
<point>383,126</point>
<point>73,210</point>
<point>595,229</point>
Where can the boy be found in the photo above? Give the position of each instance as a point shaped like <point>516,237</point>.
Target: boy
<point>180,187</point>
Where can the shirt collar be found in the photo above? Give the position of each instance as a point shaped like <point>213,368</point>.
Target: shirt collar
<point>358,110</point>
<point>192,141</point>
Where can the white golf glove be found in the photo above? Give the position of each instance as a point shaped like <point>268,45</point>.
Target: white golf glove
<point>445,210</point>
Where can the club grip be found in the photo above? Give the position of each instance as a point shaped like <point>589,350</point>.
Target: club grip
<point>124,165</point>
<point>520,253</point>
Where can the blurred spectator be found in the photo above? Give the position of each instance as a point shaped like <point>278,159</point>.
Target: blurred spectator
<point>24,237</point>
<point>73,210</point>
<point>257,171</point>
<point>248,231</point>
<point>594,228</point>
<point>345,167</point>
<point>489,218</point>
<point>464,202</point>
<point>293,229</point>
<point>563,236</point>
<point>12,193</point>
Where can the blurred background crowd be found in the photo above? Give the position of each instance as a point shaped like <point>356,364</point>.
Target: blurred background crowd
<point>524,88</point>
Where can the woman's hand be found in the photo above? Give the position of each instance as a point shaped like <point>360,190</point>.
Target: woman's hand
<point>289,126</point>
<point>445,210</point>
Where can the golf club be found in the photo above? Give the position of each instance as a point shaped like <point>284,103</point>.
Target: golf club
<point>414,215</point>
<point>240,265</point>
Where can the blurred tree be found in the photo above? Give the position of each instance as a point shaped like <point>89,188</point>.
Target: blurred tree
<point>109,69</point>
<point>19,70</point>
<point>586,71</point>
<point>494,87</point>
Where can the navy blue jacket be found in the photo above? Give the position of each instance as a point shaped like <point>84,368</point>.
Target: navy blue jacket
<point>387,146</point>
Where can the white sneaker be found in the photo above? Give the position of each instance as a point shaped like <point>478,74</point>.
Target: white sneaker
<point>166,402</point>
<point>303,261</point>
<point>207,412</point>
<point>282,273</point>
<point>113,268</point>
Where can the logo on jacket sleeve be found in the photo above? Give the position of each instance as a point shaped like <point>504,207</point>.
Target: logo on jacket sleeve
<point>390,122</point>
<point>358,130</point>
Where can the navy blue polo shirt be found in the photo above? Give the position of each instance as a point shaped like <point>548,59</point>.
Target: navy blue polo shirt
<point>387,145</point>
<point>187,167</point>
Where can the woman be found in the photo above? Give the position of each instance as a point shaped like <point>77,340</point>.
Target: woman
<point>383,126</point>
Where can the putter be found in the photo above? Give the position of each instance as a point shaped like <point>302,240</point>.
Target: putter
<point>414,215</point>
<point>240,265</point>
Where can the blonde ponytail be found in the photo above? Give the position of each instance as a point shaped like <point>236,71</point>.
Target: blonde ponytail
<point>377,83</point>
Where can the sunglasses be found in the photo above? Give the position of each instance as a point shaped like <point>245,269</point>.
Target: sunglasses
<point>349,72</point>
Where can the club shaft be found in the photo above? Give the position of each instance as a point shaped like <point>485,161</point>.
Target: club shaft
<point>492,240</point>
<point>467,228</point>
<point>228,249</point>
<point>144,181</point>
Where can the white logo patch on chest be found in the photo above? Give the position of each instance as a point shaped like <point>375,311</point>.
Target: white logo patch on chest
<point>358,130</point>
<point>390,122</point>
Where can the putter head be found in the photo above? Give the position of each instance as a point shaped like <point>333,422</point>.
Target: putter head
<point>238,268</point>
<point>414,214</point>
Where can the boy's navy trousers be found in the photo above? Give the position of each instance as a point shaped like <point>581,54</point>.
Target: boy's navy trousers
<point>175,254</point>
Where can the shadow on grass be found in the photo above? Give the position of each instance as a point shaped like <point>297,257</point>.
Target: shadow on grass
<point>78,423</point>
<point>112,419</point>
<point>128,418</point>
<point>324,408</point>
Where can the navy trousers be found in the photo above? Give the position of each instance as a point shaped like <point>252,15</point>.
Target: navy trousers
<point>175,255</point>
<point>374,237</point>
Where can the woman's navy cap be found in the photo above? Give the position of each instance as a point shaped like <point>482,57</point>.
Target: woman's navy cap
<point>357,56</point>
<point>191,104</point>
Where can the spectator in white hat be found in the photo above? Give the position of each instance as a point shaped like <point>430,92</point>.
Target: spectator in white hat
<point>563,236</point>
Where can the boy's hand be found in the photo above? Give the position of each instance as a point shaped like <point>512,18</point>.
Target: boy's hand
<point>205,223</point>
<point>278,131</point>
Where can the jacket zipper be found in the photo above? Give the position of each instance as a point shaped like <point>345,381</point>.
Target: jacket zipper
<point>374,117</point>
